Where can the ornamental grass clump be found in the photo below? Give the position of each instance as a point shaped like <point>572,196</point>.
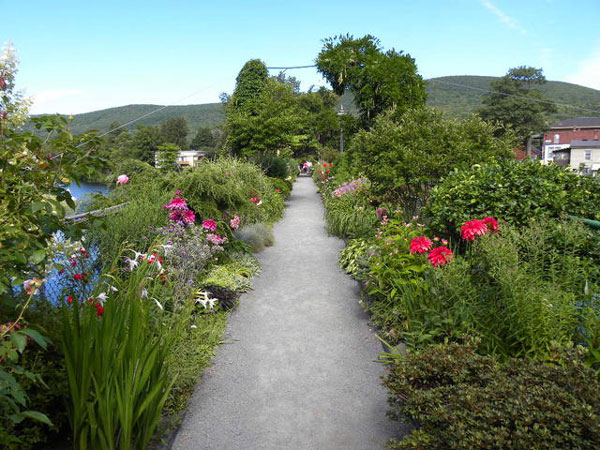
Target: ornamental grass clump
<point>258,236</point>
<point>117,350</point>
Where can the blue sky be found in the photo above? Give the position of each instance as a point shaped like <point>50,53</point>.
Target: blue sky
<point>78,56</point>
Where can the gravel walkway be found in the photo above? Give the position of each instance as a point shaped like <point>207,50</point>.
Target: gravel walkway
<point>298,370</point>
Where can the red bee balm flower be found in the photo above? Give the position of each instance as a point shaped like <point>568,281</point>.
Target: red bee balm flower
<point>70,299</point>
<point>324,164</point>
<point>491,223</point>
<point>440,256</point>
<point>420,244</point>
<point>79,276</point>
<point>473,228</point>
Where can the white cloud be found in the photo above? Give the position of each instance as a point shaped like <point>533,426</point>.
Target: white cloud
<point>502,16</point>
<point>588,71</point>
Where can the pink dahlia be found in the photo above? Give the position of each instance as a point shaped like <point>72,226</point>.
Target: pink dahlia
<point>420,244</point>
<point>440,256</point>
<point>473,228</point>
<point>122,179</point>
<point>234,223</point>
<point>189,216</point>
<point>209,224</point>
<point>491,222</point>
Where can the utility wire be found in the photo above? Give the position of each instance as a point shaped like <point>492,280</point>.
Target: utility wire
<point>514,95</point>
<point>291,67</point>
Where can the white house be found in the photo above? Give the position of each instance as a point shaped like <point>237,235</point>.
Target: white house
<point>585,156</point>
<point>185,158</point>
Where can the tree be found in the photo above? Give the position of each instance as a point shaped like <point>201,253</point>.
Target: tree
<point>167,156</point>
<point>175,130</point>
<point>516,104</point>
<point>378,80</point>
<point>13,107</point>
<point>203,138</point>
<point>249,84</point>
<point>145,143</point>
<point>404,157</point>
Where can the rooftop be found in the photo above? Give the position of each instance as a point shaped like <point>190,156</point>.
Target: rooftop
<point>577,143</point>
<point>578,122</point>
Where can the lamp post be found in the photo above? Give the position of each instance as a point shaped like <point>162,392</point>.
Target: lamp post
<point>341,113</point>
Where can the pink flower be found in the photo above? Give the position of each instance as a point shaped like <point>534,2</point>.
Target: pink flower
<point>189,216</point>
<point>440,256</point>
<point>176,203</point>
<point>122,179</point>
<point>214,239</point>
<point>420,244</point>
<point>491,222</point>
<point>209,224</point>
<point>473,228</point>
<point>31,286</point>
<point>255,200</point>
<point>234,223</point>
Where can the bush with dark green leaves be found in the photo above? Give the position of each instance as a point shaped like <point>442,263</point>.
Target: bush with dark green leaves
<point>459,399</point>
<point>515,191</point>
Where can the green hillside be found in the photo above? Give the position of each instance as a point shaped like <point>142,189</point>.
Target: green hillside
<point>207,115</point>
<point>447,93</point>
<point>459,101</point>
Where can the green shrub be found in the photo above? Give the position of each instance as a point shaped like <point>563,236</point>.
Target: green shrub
<point>258,236</point>
<point>275,166</point>
<point>515,191</point>
<point>461,400</point>
<point>404,156</point>
<point>227,186</point>
<point>351,215</point>
<point>283,186</point>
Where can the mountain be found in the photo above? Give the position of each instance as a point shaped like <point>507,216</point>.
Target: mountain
<point>459,96</point>
<point>206,115</point>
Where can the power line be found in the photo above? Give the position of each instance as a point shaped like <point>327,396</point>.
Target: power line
<point>514,95</point>
<point>290,67</point>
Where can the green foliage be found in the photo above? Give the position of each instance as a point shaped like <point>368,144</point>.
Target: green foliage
<point>463,400</point>
<point>275,166</point>
<point>514,191</point>
<point>258,236</point>
<point>283,186</point>
<point>351,216</point>
<point>203,138</point>
<point>249,84</point>
<point>32,200</point>
<point>175,131</point>
<point>145,143</point>
<point>117,366</point>
<point>516,104</point>
<point>354,258</point>
<point>459,102</point>
<point>378,80</point>
<point>226,187</point>
<point>404,157</point>
<point>166,158</point>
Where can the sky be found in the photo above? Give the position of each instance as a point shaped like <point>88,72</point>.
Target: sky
<point>80,56</point>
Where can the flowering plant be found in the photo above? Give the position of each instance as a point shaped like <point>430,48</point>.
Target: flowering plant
<point>180,213</point>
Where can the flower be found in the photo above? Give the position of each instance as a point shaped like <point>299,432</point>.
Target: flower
<point>189,216</point>
<point>177,203</point>
<point>99,309</point>
<point>70,299</point>
<point>234,223</point>
<point>79,276</point>
<point>214,239</point>
<point>209,224</point>
<point>255,200</point>
<point>473,228</point>
<point>382,212</point>
<point>325,165</point>
<point>420,244</point>
<point>122,179</point>
<point>31,286</point>
<point>491,222</point>
<point>440,256</point>
<point>102,297</point>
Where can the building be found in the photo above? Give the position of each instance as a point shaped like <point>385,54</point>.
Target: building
<point>585,156</point>
<point>563,133</point>
<point>184,158</point>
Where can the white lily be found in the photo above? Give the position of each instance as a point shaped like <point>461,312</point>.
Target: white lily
<point>132,263</point>
<point>102,297</point>
<point>166,247</point>
<point>138,254</point>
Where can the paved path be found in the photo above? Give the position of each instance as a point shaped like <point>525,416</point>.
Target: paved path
<point>299,371</point>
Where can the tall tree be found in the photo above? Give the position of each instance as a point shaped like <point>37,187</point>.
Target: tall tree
<point>249,84</point>
<point>203,138</point>
<point>145,142</point>
<point>378,80</point>
<point>516,104</point>
<point>175,131</point>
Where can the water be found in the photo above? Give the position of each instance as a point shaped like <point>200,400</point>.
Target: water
<point>83,193</point>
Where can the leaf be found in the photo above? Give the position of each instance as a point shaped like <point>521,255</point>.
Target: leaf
<point>35,415</point>
<point>36,206</point>
<point>36,336</point>
<point>38,256</point>
<point>19,341</point>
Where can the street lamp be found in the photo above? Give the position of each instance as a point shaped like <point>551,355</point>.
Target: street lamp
<point>341,113</point>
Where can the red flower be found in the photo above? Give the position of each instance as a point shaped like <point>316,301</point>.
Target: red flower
<point>491,223</point>
<point>99,309</point>
<point>331,164</point>
<point>420,244</point>
<point>440,256</point>
<point>473,228</point>
<point>83,251</point>
<point>70,299</point>
<point>327,172</point>
<point>324,164</point>
<point>278,191</point>
<point>255,200</point>
<point>79,276</point>
<point>209,224</point>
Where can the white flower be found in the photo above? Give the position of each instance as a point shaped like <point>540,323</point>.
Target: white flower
<point>144,293</point>
<point>193,326</point>
<point>166,247</point>
<point>138,254</point>
<point>132,263</point>
<point>112,288</point>
<point>102,297</point>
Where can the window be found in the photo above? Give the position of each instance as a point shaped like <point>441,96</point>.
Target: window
<point>588,155</point>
